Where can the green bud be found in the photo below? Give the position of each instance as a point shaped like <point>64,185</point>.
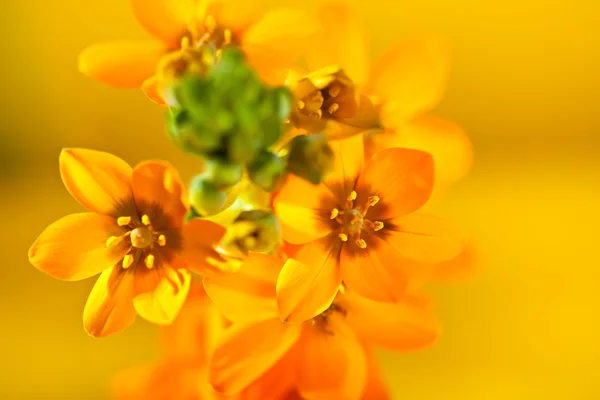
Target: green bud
<point>310,157</point>
<point>192,214</point>
<point>266,170</point>
<point>182,131</point>
<point>205,197</point>
<point>256,231</point>
<point>222,172</point>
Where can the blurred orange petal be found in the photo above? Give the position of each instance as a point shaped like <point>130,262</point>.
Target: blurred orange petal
<point>162,305</point>
<point>166,20</point>
<point>407,325</point>
<point>157,184</point>
<point>464,265</point>
<point>247,351</point>
<point>109,307</point>
<point>342,41</point>
<point>308,284</point>
<point>411,77</point>
<point>99,181</point>
<point>74,247</point>
<point>424,238</point>
<point>279,382</point>
<point>401,178</point>
<point>302,209</point>
<point>375,388</point>
<point>349,161</point>
<point>237,15</point>
<point>123,65</point>
<point>374,272</point>
<point>247,295</point>
<point>150,89</point>
<point>199,239</point>
<point>331,363</point>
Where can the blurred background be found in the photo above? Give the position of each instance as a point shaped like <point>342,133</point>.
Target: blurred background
<point>525,85</point>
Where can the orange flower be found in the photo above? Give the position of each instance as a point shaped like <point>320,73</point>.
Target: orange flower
<point>271,42</point>
<point>323,358</point>
<point>405,84</point>
<point>359,227</point>
<point>133,235</point>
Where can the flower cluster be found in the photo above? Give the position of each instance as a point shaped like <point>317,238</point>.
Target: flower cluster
<point>305,229</point>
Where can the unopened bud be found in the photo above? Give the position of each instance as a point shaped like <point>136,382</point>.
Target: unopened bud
<point>222,172</point>
<point>205,197</point>
<point>310,157</point>
<point>256,231</point>
<point>266,170</point>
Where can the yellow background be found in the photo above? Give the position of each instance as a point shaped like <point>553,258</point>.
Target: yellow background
<point>525,84</point>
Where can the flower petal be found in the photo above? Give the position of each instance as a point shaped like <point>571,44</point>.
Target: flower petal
<point>167,20</point>
<point>445,141</point>
<point>375,388</point>
<point>247,295</point>
<point>332,363</point>
<point>279,38</point>
<point>124,65</point>
<point>162,305</point>
<point>247,351</point>
<point>401,178</point>
<point>308,284</point>
<point>424,238</point>
<point>374,272</point>
<point>150,89</point>
<point>157,187</point>
<point>109,308</point>
<point>464,265</point>
<point>74,247</point>
<point>407,325</point>
<point>236,15</point>
<point>303,210</point>
<point>279,382</point>
<point>99,181</point>
<point>349,161</point>
<point>343,42</point>
<point>199,240</point>
<point>411,77</point>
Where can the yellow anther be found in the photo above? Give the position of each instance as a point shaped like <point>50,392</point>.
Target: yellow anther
<point>361,243</point>
<point>227,37</point>
<point>250,243</point>
<point>145,220</point>
<point>334,91</point>
<point>162,240</point>
<point>377,226</point>
<point>373,200</point>
<point>352,196</point>
<point>112,241</point>
<point>334,213</point>
<point>343,237</point>
<point>185,42</point>
<point>301,105</point>
<point>127,261</point>
<point>319,114</point>
<point>333,108</point>
<point>149,261</point>
<point>210,23</point>
<point>123,221</point>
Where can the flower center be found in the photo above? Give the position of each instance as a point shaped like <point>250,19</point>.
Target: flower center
<point>142,237</point>
<point>352,219</point>
<point>322,320</point>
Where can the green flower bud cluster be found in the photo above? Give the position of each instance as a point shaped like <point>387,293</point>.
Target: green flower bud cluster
<point>230,118</point>
<point>310,157</point>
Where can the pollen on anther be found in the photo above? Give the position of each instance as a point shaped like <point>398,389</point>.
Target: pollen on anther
<point>334,91</point>
<point>319,114</point>
<point>334,213</point>
<point>162,240</point>
<point>227,36</point>
<point>343,237</point>
<point>145,220</point>
<point>123,221</point>
<point>333,108</point>
<point>373,200</point>
<point>112,241</point>
<point>352,196</point>
<point>185,42</point>
<point>127,261</point>
<point>377,226</point>
<point>361,243</point>
<point>149,261</point>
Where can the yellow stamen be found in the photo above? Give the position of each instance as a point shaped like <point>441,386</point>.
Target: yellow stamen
<point>301,105</point>
<point>227,37</point>
<point>185,42</point>
<point>162,240</point>
<point>352,196</point>
<point>333,108</point>
<point>145,220</point>
<point>250,242</point>
<point>361,243</point>
<point>334,91</point>
<point>127,261</point>
<point>343,237</point>
<point>319,114</point>
<point>210,23</point>
<point>377,226</point>
<point>123,221</point>
<point>334,213</point>
<point>373,200</point>
<point>113,241</point>
<point>149,261</point>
